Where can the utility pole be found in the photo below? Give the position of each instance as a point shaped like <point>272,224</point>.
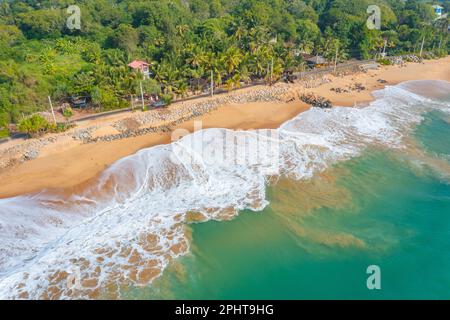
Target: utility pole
<point>212,82</point>
<point>421,46</point>
<point>271,71</point>
<point>384,48</point>
<point>51,107</point>
<point>335,59</point>
<point>142,96</point>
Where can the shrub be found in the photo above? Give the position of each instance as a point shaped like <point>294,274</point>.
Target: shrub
<point>34,125</point>
<point>384,62</point>
<point>67,112</point>
<point>150,86</point>
<point>104,98</point>
<point>429,56</point>
<point>167,98</point>
<point>59,127</point>
<point>441,53</point>
<point>4,120</point>
<point>4,132</point>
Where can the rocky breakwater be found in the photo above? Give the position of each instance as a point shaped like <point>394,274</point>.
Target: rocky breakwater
<point>165,120</point>
<point>316,101</point>
<point>25,151</point>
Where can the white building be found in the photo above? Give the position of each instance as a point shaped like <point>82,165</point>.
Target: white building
<point>438,10</point>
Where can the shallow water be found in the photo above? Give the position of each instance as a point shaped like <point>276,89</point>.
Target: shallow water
<point>355,186</point>
<point>316,239</point>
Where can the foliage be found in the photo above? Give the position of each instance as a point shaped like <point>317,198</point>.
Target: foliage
<point>4,133</point>
<point>59,127</point>
<point>186,41</point>
<point>384,62</point>
<point>167,98</point>
<point>41,23</point>
<point>37,125</point>
<point>150,86</point>
<point>67,112</point>
<point>34,125</point>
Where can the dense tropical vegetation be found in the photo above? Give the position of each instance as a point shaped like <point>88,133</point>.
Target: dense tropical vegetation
<point>185,40</point>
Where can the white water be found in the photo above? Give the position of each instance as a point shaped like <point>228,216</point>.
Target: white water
<point>93,234</point>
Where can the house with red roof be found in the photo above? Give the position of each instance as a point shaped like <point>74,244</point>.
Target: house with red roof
<point>141,66</point>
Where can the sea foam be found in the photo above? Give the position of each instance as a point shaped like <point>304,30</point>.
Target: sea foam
<point>124,229</point>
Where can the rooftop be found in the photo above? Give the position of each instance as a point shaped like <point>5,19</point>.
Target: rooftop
<point>137,64</point>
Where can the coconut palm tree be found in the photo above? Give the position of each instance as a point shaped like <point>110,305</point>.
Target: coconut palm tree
<point>237,81</point>
<point>181,88</point>
<point>167,75</point>
<point>442,26</point>
<point>196,57</point>
<point>232,59</point>
<point>426,34</point>
<point>229,84</point>
<point>115,57</point>
<point>182,29</point>
<point>243,72</point>
<point>212,63</point>
<point>239,30</point>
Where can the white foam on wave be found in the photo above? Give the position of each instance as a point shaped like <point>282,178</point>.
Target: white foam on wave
<point>126,228</point>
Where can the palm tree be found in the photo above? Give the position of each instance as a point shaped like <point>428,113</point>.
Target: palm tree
<point>47,55</point>
<point>212,62</point>
<point>229,84</point>
<point>277,70</point>
<point>182,29</point>
<point>390,38</point>
<point>196,58</point>
<point>83,82</point>
<point>167,75</point>
<point>115,57</point>
<point>196,75</point>
<point>243,73</point>
<point>260,34</point>
<point>260,60</point>
<point>306,46</point>
<point>239,30</point>
<point>442,26</point>
<point>182,88</point>
<point>232,59</point>
<point>256,66</point>
<point>426,33</point>
<point>236,81</point>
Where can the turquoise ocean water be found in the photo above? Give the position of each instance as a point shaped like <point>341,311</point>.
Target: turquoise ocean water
<point>316,238</point>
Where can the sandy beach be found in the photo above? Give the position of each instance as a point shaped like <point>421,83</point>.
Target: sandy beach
<point>66,163</point>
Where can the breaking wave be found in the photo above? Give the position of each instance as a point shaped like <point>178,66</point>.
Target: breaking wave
<point>124,229</point>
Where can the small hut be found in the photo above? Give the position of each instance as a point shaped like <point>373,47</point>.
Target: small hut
<point>314,61</point>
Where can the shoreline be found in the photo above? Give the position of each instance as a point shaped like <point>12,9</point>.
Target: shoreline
<point>67,164</point>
